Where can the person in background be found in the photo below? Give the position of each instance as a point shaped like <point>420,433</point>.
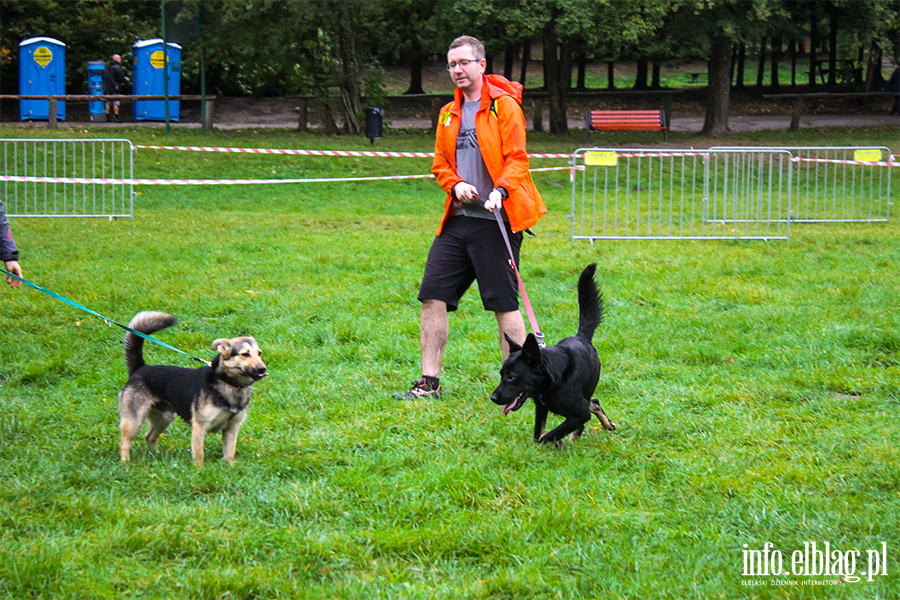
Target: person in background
<point>113,78</point>
<point>9,254</point>
<point>479,155</point>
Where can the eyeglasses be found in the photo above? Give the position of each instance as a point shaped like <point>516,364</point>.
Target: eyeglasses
<point>462,63</point>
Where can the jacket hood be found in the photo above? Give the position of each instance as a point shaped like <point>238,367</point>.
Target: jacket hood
<point>495,86</point>
<point>499,85</point>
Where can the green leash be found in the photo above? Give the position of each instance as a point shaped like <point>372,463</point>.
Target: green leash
<point>106,320</point>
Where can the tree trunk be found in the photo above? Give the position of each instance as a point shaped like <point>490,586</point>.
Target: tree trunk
<point>813,44</point>
<point>611,75</point>
<point>553,71</point>
<point>327,126</point>
<point>582,69</point>
<point>350,75</point>
<point>489,59</point>
<point>655,83</point>
<point>776,58</point>
<point>274,79</point>
<point>792,48</point>
<point>874,78</point>
<point>742,58</point>
<point>565,67</point>
<point>526,56</point>
<point>734,56</point>
<point>415,75</point>
<point>509,58</point>
<point>761,67</point>
<point>858,72</point>
<point>832,53</point>
<point>719,91</point>
<point>640,82</point>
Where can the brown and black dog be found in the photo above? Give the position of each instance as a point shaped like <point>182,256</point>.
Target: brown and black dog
<point>211,399</point>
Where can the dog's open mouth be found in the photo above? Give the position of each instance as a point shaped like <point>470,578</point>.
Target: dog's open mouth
<point>516,404</point>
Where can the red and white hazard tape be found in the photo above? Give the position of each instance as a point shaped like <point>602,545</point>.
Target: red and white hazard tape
<point>354,153</point>
<point>650,154</point>
<point>106,181</point>
<point>580,168</point>
<point>292,151</point>
<point>847,162</point>
<point>89,180</point>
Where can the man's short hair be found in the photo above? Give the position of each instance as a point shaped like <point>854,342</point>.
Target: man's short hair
<point>474,43</point>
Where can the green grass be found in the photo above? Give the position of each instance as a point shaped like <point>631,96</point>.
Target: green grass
<point>679,76</point>
<point>625,75</point>
<point>755,386</point>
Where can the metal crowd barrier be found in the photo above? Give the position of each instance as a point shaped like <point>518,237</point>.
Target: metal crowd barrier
<point>57,159</point>
<point>659,194</point>
<point>830,188</point>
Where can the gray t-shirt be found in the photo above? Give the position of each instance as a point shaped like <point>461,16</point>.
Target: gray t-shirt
<point>470,165</point>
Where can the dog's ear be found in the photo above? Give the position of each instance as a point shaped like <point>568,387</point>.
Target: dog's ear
<point>513,346</point>
<point>222,346</point>
<point>531,351</point>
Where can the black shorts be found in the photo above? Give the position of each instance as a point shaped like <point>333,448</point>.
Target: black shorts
<point>469,249</point>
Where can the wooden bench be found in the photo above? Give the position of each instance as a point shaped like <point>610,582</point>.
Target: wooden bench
<point>603,120</point>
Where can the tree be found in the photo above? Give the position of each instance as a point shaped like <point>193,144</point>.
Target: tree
<point>407,32</point>
<point>606,27</point>
<point>255,48</point>
<point>500,24</point>
<point>718,25</point>
<point>557,75</point>
<point>296,46</point>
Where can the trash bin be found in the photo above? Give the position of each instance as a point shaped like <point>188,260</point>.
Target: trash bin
<point>374,123</point>
<point>148,80</point>
<point>97,110</point>
<point>42,72</point>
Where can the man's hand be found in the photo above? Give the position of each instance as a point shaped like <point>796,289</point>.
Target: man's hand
<point>14,268</point>
<point>465,192</point>
<point>494,201</point>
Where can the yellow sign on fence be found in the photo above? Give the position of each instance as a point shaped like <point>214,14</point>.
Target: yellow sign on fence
<point>600,158</point>
<point>868,155</point>
<point>43,56</point>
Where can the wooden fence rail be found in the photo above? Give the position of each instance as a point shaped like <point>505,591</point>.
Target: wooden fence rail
<point>51,115</point>
<point>799,98</point>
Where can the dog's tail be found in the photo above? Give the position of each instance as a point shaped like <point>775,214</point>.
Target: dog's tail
<point>590,303</point>
<point>148,322</point>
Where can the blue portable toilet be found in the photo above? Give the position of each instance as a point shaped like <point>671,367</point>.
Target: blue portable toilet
<point>42,72</point>
<point>149,80</point>
<point>95,88</point>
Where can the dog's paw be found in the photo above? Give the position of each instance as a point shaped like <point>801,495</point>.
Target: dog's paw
<point>607,424</point>
<point>601,416</point>
<point>546,440</point>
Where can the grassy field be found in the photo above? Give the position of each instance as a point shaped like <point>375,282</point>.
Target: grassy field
<point>435,77</point>
<point>755,386</point>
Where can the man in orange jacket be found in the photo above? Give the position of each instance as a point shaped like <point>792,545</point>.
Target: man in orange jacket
<point>479,154</point>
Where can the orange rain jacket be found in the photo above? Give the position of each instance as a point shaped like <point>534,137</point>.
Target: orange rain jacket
<point>500,126</point>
